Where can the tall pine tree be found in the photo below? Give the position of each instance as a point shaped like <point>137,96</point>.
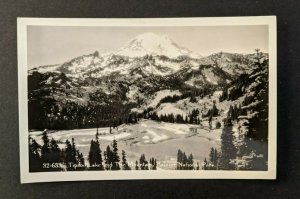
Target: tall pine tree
<point>71,156</point>
<point>228,150</point>
<point>125,165</point>
<point>69,160</point>
<point>190,162</point>
<point>55,155</point>
<point>95,157</point>
<point>115,156</point>
<point>143,162</point>
<point>108,158</point>
<point>136,165</point>
<point>45,150</point>
<point>179,160</point>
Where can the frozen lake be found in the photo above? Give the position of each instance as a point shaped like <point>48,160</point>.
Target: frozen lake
<point>154,139</point>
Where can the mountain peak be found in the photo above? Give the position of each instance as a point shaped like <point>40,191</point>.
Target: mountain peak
<point>151,36</point>
<point>96,54</point>
<point>154,44</point>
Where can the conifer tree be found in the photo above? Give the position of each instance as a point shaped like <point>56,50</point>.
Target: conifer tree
<point>198,166</point>
<point>80,158</point>
<point>69,156</point>
<point>146,165</point>
<point>74,152</point>
<point>216,158</point>
<point>191,162</point>
<point>186,120</point>
<point>124,161</point>
<point>95,157</point>
<point>210,117</point>
<point>235,112</point>
<point>54,156</point>
<point>105,159</point>
<point>184,161</point>
<point>212,158</point>
<point>151,161</point>
<point>228,150</point>
<point>215,111</point>
<point>45,150</point>
<point>153,164</point>
<point>91,153</point>
<point>108,158</point>
<point>143,163</point>
<point>193,99</point>
<point>55,152</point>
<point>136,165</point>
<point>179,160</point>
<point>205,164</point>
<point>35,163</point>
<point>115,156</point>
<point>81,163</point>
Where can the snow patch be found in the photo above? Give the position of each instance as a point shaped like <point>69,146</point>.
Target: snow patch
<point>168,108</point>
<point>156,136</point>
<point>117,137</point>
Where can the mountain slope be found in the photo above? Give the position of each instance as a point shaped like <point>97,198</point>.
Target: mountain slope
<point>113,84</point>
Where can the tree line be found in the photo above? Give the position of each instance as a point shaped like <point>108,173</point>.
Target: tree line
<point>186,162</point>
<point>187,93</point>
<point>50,114</point>
<point>178,118</point>
<point>50,157</point>
<point>143,164</point>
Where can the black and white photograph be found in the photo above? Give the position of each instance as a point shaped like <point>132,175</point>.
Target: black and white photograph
<point>103,99</point>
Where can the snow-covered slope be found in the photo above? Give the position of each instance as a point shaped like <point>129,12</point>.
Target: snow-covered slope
<point>142,72</point>
<point>153,44</point>
<point>233,63</point>
<point>145,55</point>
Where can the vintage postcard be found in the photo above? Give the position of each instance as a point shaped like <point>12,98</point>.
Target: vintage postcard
<point>161,98</point>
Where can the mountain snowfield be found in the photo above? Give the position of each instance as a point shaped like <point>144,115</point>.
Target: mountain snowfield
<point>166,57</point>
<point>153,44</point>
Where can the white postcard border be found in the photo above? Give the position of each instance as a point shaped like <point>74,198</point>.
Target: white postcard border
<point>27,177</point>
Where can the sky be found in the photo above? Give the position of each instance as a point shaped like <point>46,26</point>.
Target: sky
<point>48,45</point>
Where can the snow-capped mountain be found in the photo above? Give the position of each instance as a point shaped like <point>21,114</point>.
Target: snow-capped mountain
<point>145,55</point>
<point>145,65</point>
<point>148,52</point>
<point>153,44</point>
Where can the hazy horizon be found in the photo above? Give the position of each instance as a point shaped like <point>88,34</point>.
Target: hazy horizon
<point>48,45</point>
